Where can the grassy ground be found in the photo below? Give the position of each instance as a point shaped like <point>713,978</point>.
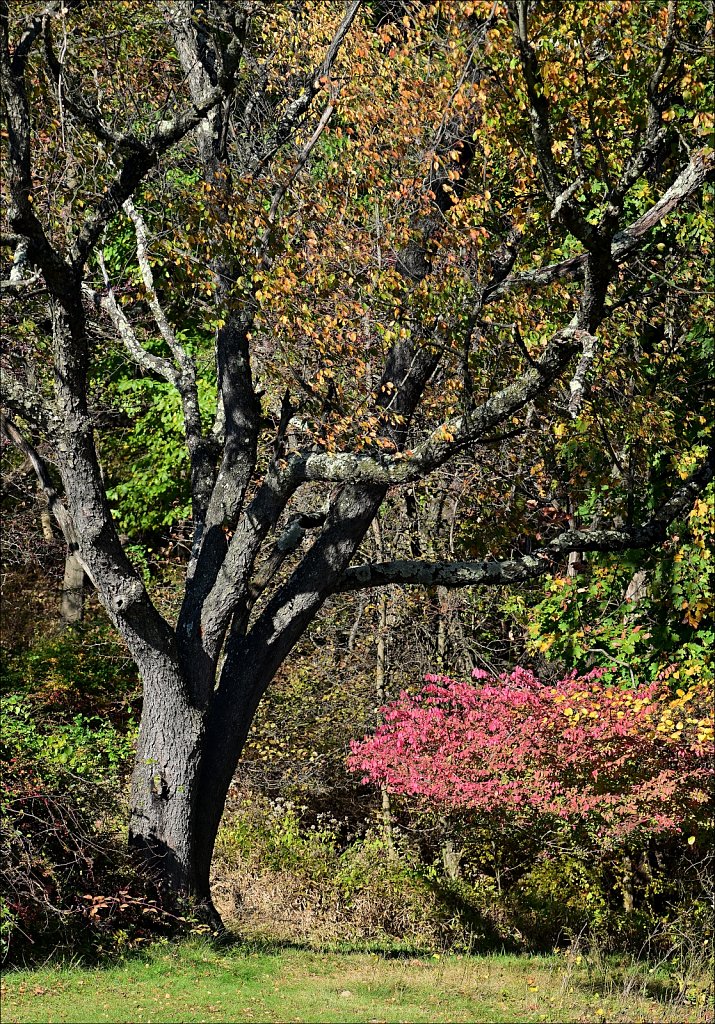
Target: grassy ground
<point>196,982</point>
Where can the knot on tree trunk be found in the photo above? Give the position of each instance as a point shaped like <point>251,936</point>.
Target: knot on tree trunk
<point>129,594</point>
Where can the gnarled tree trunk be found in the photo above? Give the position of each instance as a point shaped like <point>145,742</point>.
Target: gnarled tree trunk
<point>165,784</point>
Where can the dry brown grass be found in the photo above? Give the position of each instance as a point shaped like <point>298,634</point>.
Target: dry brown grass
<point>279,905</point>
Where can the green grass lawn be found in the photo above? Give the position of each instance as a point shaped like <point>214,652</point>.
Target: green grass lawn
<point>197,982</point>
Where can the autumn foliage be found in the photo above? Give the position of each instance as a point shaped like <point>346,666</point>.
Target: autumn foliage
<point>619,761</point>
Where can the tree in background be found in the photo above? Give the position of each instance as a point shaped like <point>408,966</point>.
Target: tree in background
<point>343,249</point>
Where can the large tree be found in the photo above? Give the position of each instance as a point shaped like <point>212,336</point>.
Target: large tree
<point>368,241</point>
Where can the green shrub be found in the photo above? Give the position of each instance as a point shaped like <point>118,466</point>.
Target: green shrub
<point>79,670</point>
<point>65,749</point>
<point>558,899</point>
<point>91,747</point>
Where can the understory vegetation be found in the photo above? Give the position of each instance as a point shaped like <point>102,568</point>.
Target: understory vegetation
<point>306,853</point>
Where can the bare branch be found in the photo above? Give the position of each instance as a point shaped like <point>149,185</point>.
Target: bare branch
<point>167,332</point>
<point>184,380</point>
<point>19,286</point>
<point>147,360</point>
<point>300,163</point>
<point>18,283</point>
<point>564,209</point>
<point>21,214</point>
<point>32,29</point>
<point>655,97</point>
<point>299,106</point>
<point>72,97</point>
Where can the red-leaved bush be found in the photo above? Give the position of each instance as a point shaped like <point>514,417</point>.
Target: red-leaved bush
<point>614,760</point>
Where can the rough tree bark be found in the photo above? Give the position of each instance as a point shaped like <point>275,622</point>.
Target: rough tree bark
<point>204,677</point>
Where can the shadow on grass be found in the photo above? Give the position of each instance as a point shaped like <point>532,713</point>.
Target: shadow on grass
<point>233,943</point>
<point>383,947</point>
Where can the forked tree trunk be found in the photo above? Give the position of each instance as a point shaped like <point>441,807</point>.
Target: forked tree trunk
<point>227,728</point>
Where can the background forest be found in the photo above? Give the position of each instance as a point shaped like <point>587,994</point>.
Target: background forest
<point>452,165</point>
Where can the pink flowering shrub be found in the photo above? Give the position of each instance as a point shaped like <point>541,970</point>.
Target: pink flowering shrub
<point>618,761</point>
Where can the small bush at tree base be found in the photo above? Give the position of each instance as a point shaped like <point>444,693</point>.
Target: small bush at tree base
<point>68,879</point>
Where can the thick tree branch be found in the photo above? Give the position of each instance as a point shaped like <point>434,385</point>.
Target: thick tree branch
<point>202,57</point>
<point>21,214</point>
<point>454,436</point>
<point>232,581</point>
<point>539,563</point>
<point>122,591</point>
<point>241,424</point>
<point>20,285</point>
<point>289,541</point>
<point>238,404</point>
<point>182,359</point>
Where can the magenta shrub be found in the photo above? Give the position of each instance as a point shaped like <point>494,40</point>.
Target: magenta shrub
<point>614,760</point>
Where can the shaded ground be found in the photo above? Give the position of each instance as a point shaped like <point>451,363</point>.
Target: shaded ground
<point>194,982</point>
